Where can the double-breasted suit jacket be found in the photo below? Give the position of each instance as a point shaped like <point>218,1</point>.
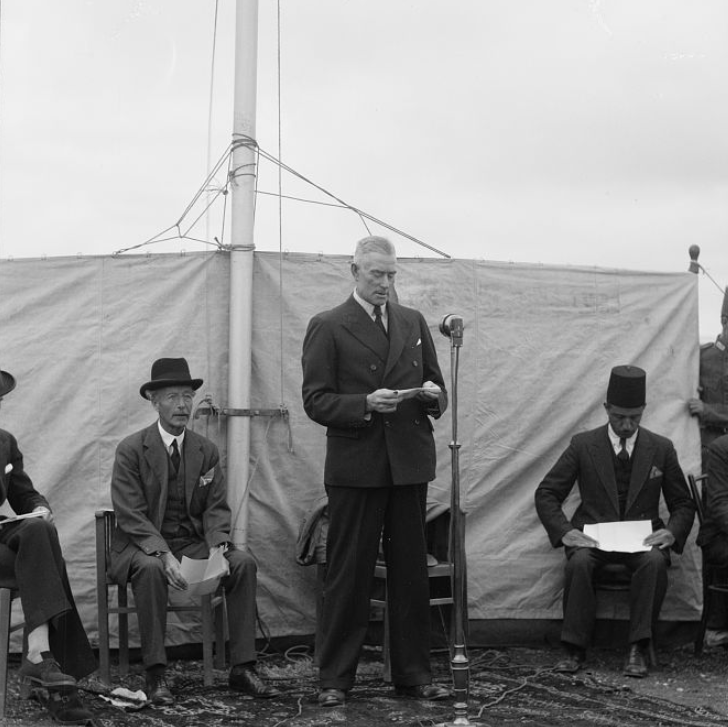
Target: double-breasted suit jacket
<point>139,489</point>
<point>345,357</point>
<point>589,460</point>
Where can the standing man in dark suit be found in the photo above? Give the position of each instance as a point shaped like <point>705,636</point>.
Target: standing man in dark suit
<point>170,500</point>
<point>361,362</point>
<point>622,469</point>
<point>58,651</point>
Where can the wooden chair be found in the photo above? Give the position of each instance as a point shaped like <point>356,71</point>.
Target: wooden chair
<point>714,576</point>
<point>8,593</point>
<point>440,595</point>
<point>440,574</point>
<point>211,608</point>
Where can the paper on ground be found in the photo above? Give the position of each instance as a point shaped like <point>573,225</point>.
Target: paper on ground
<point>203,575</point>
<point>621,537</point>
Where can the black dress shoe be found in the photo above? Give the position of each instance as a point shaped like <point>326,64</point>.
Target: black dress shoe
<point>432,692</point>
<point>331,698</point>
<point>571,662</point>
<point>636,665</point>
<point>244,678</point>
<point>46,673</point>
<point>156,688</point>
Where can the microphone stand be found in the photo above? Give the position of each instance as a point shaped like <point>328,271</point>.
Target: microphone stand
<point>452,326</point>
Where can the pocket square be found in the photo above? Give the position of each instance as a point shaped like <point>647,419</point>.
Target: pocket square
<point>8,468</point>
<point>207,478</point>
<point>655,472</point>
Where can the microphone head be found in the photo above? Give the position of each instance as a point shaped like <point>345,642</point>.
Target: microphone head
<point>451,324</point>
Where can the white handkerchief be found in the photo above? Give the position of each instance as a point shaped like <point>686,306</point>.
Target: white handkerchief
<point>8,468</point>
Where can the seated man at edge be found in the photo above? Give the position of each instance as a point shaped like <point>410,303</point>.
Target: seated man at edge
<point>169,496</point>
<point>57,651</point>
<point>622,469</point>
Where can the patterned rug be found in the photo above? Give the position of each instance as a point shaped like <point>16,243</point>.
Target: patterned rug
<point>507,687</point>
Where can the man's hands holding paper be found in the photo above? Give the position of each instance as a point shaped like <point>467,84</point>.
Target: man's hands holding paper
<point>619,537</point>
<point>385,400</point>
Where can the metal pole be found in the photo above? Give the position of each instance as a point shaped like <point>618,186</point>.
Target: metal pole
<point>452,326</point>
<point>242,219</point>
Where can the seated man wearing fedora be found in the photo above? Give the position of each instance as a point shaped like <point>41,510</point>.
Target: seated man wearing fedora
<point>58,651</point>
<point>169,496</point>
<point>622,469</point>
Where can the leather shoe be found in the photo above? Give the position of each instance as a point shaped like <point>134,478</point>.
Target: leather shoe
<point>331,698</point>
<point>244,678</point>
<point>571,662</point>
<point>635,666</point>
<point>157,689</point>
<point>431,692</point>
<point>46,673</point>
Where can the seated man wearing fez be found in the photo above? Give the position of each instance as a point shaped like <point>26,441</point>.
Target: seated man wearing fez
<point>621,468</point>
<point>31,560</point>
<point>169,496</point>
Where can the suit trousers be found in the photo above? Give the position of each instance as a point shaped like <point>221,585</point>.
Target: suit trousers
<point>150,588</point>
<point>648,586</point>
<point>45,592</point>
<point>357,518</point>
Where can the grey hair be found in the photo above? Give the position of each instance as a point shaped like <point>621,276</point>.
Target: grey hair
<point>373,243</point>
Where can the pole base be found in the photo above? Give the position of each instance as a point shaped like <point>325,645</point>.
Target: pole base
<point>459,722</point>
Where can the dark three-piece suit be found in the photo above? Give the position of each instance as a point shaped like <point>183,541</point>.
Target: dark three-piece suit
<point>654,471</point>
<point>140,491</point>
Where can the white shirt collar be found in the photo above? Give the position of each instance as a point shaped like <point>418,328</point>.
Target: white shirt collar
<point>167,437</point>
<point>628,443</point>
<point>369,307</point>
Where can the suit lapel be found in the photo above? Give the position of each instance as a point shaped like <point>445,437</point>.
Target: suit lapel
<point>156,456</point>
<point>643,455</point>
<point>601,453</point>
<point>399,328</point>
<point>362,327</point>
<point>194,457</point>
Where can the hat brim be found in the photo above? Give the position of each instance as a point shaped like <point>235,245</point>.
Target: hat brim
<point>164,383</point>
<point>7,383</point>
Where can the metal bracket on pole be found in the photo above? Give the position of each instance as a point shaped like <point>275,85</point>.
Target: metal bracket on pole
<point>281,411</point>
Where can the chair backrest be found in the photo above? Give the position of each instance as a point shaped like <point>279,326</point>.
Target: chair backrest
<point>105,523</point>
<point>697,490</point>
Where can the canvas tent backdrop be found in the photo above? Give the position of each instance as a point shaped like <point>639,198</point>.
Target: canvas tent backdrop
<point>80,335</point>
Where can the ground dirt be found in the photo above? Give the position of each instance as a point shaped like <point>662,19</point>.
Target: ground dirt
<point>507,686</point>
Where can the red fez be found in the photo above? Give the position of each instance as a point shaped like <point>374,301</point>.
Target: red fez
<point>627,386</point>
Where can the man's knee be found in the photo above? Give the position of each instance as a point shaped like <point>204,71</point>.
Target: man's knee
<point>241,562</point>
<point>147,568</point>
<point>578,560</point>
<point>655,560</point>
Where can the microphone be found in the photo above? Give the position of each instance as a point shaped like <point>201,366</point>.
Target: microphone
<point>452,327</point>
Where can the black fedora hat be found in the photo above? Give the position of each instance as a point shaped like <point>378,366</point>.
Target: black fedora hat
<point>7,383</point>
<point>169,372</point>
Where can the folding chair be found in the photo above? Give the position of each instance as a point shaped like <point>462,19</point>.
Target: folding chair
<point>714,576</point>
<point>8,593</point>
<point>211,608</point>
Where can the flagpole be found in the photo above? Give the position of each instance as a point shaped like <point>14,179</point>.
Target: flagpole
<point>243,178</point>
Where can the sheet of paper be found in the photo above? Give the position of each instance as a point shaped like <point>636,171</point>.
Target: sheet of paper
<point>403,394</point>
<point>203,575</point>
<point>25,516</point>
<point>621,537</point>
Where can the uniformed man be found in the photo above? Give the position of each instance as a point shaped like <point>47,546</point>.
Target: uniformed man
<point>712,406</point>
<point>712,411</point>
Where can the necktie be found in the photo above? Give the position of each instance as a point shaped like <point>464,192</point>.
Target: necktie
<point>378,319</point>
<point>623,454</point>
<point>175,456</point>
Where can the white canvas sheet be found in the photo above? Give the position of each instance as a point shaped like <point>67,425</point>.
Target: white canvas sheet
<point>80,336</point>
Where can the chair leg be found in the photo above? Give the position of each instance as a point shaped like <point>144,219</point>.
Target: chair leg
<point>5,612</point>
<point>208,637</point>
<point>705,615</point>
<point>220,617</point>
<point>102,600</point>
<point>123,622</point>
